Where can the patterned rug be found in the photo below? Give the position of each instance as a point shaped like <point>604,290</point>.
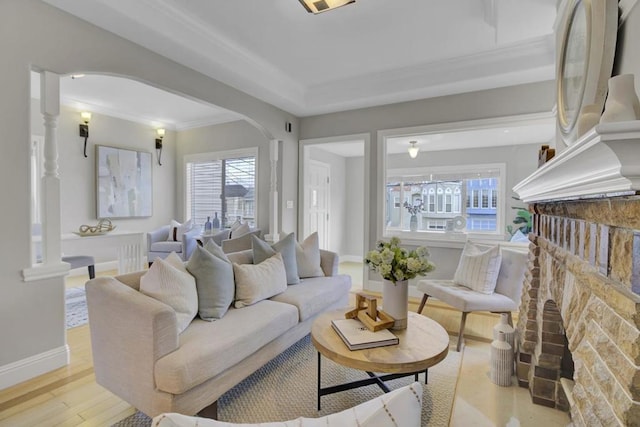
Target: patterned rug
<point>285,388</point>
<point>75,306</point>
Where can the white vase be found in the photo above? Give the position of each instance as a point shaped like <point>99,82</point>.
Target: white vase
<point>501,361</point>
<point>622,101</point>
<point>395,302</point>
<point>505,328</point>
<point>413,223</point>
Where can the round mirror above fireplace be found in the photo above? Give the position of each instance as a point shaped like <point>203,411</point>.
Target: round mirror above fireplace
<point>586,47</point>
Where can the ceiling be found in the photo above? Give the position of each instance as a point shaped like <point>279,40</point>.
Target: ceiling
<point>369,53</point>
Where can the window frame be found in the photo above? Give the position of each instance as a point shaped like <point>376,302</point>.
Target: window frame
<point>222,155</point>
<point>447,235</point>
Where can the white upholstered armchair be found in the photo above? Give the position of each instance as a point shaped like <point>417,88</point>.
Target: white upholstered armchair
<point>505,298</point>
<point>158,244</point>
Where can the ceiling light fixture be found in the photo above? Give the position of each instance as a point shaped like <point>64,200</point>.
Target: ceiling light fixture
<point>413,149</point>
<point>319,6</point>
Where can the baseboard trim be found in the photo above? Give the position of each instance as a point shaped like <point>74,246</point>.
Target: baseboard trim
<point>31,367</point>
<point>350,258</point>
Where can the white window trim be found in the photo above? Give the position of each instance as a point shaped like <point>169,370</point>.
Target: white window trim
<point>222,155</point>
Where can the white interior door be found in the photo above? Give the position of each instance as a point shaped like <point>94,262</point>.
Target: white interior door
<point>317,201</point>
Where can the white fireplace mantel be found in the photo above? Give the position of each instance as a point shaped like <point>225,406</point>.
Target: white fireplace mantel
<point>604,162</point>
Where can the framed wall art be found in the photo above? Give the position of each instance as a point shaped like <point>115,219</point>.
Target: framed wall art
<point>123,183</point>
<point>586,48</point>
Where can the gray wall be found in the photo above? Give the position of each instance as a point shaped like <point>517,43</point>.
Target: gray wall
<point>354,221</point>
<point>223,137</point>
<point>523,99</point>
<point>36,35</point>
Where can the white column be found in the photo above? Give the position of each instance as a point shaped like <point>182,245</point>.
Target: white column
<point>50,201</point>
<point>274,234</point>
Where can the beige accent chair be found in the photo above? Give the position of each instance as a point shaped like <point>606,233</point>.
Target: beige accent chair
<point>505,299</point>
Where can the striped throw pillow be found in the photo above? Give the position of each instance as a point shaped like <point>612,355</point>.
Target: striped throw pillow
<point>478,268</point>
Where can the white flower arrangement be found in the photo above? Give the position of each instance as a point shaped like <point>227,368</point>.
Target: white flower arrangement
<point>395,263</point>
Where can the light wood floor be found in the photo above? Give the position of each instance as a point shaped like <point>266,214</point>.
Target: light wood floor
<point>70,396</point>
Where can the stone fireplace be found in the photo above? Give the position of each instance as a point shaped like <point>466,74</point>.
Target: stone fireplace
<point>578,329</point>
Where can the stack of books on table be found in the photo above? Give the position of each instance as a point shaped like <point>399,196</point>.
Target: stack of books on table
<point>357,337</point>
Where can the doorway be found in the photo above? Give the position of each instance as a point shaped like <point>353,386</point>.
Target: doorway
<point>334,196</point>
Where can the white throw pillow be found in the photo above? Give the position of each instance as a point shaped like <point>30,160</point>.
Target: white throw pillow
<point>401,407</point>
<point>308,257</point>
<point>177,230</point>
<point>255,282</point>
<point>169,281</point>
<point>478,268</point>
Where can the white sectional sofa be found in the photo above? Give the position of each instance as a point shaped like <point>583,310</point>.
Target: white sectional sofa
<point>139,355</point>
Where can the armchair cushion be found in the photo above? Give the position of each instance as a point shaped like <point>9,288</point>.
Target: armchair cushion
<point>465,299</point>
<point>401,407</point>
<point>167,247</point>
<point>177,230</point>
<point>478,268</point>
<point>240,231</point>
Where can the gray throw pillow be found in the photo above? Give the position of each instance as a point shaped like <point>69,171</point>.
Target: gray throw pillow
<point>308,256</point>
<point>214,280</point>
<point>286,247</point>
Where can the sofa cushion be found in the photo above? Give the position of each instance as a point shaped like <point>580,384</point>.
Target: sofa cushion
<point>261,281</point>
<point>315,294</point>
<point>240,231</point>
<point>478,267</point>
<point>166,247</point>
<point>209,348</point>
<point>308,257</point>
<point>401,407</point>
<point>465,299</point>
<point>214,280</point>
<point>169,281</point>
<point>287,247</point>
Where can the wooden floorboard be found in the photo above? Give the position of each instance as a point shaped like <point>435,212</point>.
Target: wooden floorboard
<point>70,396</point>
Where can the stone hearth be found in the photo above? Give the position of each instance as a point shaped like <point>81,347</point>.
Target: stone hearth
<point>584,269</point>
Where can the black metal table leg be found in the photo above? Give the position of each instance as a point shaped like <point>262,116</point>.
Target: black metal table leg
<point>319,388</point>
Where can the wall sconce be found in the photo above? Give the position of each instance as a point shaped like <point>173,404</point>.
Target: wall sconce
<point>84,128</point>
<point>160,133</point>
<point>413,149</point>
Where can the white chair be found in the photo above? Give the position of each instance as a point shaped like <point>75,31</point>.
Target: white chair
<point>159,246</point>
<point>505,299</point>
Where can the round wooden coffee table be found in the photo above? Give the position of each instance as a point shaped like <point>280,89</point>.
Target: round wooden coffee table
<point>423,344</point>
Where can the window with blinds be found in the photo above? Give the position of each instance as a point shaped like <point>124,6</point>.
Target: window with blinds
<point>222,186</point>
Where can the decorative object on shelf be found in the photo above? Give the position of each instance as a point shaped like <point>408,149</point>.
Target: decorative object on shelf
<point>160,133</point>
<point>545,154</point>
<point>413,149</point>
<point>501,361</point>
<point>622,101</point>
<point>459,223</point>
<point>586,43</point>
<point>503,327</point>
<point>397,266</point>
<point>84,128</point>
<point>103,227</point>
<point>589,117</point>
<point>216,222</point>
<point>208,227</point>
<point>367,312</point>
<point>413,211</point>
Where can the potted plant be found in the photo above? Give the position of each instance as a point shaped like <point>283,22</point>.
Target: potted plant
<point>397,265</point>
<point>413,211</point>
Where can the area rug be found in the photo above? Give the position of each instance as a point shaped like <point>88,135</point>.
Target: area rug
<point>285,388</point>
<point>75,306</point>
